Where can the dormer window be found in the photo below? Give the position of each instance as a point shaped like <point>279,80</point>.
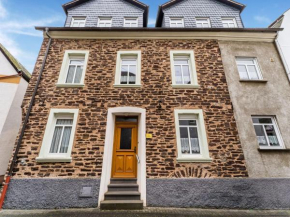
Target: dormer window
<point>130,22</point>
<point>78,22</point>
<point>105,22</point>
<point>202,23</point>
<point>176,22</point>
<point>229,23</point>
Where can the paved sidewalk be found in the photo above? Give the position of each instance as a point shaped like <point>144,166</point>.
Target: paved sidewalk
<point>147,212</point>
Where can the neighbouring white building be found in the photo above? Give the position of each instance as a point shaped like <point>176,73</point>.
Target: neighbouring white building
<point>14,79</point>
<point>283,39</point>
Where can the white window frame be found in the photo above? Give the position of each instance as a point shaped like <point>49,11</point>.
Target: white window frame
<point>229,18</point>
<point>256,64</point>
<point>131,18</point>
<point>192,68</point>
<point>118,68</point>
<point>78,18</point>
<point>204,152</point>
<point>198,20</point>
<point>44,155</point>
<point>105,18</point>
<point>277,131</point>
<point>171,19</point>
<point>65,66</point>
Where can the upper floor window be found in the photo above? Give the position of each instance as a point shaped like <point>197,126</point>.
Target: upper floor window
<point>248,68</point>
<point>183,69</point>
<point>78,22</point>
<point>191,136</point>
<point>128,69</point>
<point>73,68</point>
<point>105,22</point>
<point>59,135</point>
<point>267,132</point>
<point>130,22</point>
<point>176,22</point>
<point>203,23</point>
<point>229,23</point>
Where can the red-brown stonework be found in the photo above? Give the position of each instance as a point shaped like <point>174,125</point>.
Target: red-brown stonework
<point>99,94</point>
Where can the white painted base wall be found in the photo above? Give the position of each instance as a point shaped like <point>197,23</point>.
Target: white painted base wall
<point>11,97</point>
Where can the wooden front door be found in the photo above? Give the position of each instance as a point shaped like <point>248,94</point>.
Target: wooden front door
<point>125,150</point>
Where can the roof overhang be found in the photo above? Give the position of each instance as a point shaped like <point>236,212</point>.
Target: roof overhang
<point>19,71</point>
<point>139,4</point>
<point>229,34</point>
<point>160,13</point>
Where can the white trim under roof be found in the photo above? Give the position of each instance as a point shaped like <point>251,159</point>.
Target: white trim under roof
<point>216,35</point>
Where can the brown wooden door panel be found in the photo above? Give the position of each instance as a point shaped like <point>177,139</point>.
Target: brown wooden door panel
<point>125,150</point>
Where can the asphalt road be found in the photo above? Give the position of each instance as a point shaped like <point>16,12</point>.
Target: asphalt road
<point>152,212</point>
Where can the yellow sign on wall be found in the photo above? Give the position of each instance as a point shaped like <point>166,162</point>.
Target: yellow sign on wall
<point>149,136</point>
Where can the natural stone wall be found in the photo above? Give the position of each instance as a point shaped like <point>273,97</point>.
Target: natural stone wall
<point>219,193</point>
<point>99,94</point>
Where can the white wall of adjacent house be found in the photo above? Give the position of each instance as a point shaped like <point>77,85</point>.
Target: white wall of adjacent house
<point>11,97</point>
<point>283,41</point>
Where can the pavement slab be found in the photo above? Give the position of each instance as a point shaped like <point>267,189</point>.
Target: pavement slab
<point>146,212</point>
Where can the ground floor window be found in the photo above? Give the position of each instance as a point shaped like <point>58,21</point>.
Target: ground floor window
<point>59,135</point>
<point>191,136</point>
<point>267,132</point>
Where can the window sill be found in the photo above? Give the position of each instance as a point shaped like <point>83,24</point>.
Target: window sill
<point>53,159</point>
<point>194,160</point>
<point>127,85</point>
<point>254,81</point>
<point>274,150</point>
<point>185,86</point>
<point>69,85</point>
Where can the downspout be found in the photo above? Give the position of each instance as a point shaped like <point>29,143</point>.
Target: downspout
<point>14,160</point>
<point>282,57</point>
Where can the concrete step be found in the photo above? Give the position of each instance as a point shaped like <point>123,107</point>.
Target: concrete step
<point>122,195</point>
<point>121,205</point>
<point>123,187</point>
<point>123,181</point>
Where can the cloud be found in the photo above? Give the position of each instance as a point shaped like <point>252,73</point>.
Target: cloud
<point>151,22</point>
<point>3,11</point>
<point>11,25</point>
<point>262,19</point>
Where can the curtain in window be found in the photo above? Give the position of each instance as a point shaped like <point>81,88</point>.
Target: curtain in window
<point>262,140</point>
<point>55,140</point>
<point>194,145</point>
<point>78,75</point>
<point>273,140</point>
<point>70,74</point>
<point>185,146</point>
<point>61,132</point>
<point>65,140</point>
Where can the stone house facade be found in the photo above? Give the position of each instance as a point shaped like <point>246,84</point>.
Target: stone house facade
<point>133,117</point>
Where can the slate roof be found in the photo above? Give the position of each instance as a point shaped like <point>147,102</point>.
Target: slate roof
<point>14,62</point>
<point>137,3</point>
<point>160,14</point>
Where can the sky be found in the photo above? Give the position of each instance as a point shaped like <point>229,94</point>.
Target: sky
<point>19,17</point>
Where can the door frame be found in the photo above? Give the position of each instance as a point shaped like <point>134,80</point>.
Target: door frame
<point>109,144</point>
<point>116,144</point>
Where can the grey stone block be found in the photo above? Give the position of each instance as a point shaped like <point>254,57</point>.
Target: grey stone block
<point>219,193</point>
<point>44,193</point>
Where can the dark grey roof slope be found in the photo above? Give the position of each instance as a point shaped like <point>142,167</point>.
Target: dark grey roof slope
<point>160,13</point>
<point>137,3</point>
